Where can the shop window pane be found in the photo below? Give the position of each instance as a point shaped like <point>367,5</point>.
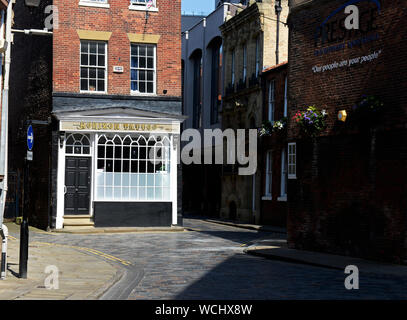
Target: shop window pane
<point>158,193</point>
<point>126,179</point>
<point>109,179</point>
<point>108,193</point>
<point>100,192</point>
<point>142,180</point>
<point>135,179</point>
<point>150,193</point>
<point>125,193</point>
<point>133,193</point>
<point>143,195</point>
<point>101,164</point>
<point>117,193</point>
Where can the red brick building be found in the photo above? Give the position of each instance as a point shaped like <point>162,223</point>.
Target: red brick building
<point>347,187</point>
<point>273,147</point>
<point>116,98</point>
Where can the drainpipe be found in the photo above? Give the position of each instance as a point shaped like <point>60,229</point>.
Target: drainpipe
<point>278,12</point>
<point>4,133</point>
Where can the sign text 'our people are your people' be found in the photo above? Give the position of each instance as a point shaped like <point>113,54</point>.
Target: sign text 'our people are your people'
<point>347,62</point>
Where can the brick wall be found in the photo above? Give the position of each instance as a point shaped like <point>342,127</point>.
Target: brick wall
<point>350,195</point>
<point>119,20</point>
<point>273,212</point>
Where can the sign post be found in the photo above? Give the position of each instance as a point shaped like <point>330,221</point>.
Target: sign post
<point>24,232</point>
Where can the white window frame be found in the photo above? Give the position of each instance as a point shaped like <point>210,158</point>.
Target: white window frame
<point>94,3</point>
<point>286,97</point>
<point>292,161</point>
<point>138,5</point>
<point>271,101</point>
<point>269,176</point>
<point>141,189</point>
<point>97,67</point>
<point>283,185</point>
<point>138,93</point>
<point>85,141</point>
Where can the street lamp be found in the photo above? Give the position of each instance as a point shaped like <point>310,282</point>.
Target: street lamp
<point>278,12</point>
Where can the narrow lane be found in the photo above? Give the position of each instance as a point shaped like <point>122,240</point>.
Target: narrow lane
<point>209,263</point>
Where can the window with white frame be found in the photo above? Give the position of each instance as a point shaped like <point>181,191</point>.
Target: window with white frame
<point>292,161</point>
<point>244,73</point>
<point>101,3</point>
<point>77,144</point>
<point>269,173</point>
<point>143,68</point>
<point>286,97</point>
<point>133,168</point>
<point>143,3</point>
<point>93,66</point>
<point>283,192</point>
<point>271,101</point>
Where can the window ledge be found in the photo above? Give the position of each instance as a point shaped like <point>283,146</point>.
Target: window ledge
<point>282,199</point>
<point>267,198</point>
<point>94,4</point>
<point>292,177</point>
<point>135,93</point>
<point>142,8</point>
<point>94,92</point>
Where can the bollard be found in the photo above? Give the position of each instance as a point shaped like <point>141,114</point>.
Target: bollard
<point>4,252</point>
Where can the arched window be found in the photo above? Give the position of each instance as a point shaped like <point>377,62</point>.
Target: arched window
<point>133,168</point>
<point>77,144</point>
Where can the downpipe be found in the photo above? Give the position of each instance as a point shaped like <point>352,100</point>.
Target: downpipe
<point>4,235</point>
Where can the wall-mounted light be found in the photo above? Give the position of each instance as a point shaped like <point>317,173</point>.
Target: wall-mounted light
<point>61,139</point>
<point>342,115</point>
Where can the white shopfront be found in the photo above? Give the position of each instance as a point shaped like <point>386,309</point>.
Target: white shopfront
<point>126,162</point>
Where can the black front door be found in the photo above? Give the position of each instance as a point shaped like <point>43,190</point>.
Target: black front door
<point>77,186</point>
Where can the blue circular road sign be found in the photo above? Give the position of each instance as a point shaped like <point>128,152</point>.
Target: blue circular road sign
<point>30,138</point>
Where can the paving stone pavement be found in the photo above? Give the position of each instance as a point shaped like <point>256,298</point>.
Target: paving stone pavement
<point>81,275</point>
<point>209,263</point>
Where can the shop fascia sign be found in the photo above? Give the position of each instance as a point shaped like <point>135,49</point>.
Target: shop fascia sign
<point>103,126</point>
<point>358,23</point>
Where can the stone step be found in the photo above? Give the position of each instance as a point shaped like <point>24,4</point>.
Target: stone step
<point>77,217</point>
<point>77,228</point>
<point>78,223</point>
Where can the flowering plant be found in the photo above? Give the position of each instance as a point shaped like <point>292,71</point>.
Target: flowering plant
<point>268,128</point>
<point>312,121</point>
<point>367,109</point>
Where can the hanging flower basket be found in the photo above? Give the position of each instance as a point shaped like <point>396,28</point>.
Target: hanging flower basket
<point>269,128</point>
<point>368,111</point>
<point>312,121</point>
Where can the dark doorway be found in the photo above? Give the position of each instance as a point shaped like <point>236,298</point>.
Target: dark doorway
<point>77,186</point>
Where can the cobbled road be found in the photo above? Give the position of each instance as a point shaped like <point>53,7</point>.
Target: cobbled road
<point>210,263</point>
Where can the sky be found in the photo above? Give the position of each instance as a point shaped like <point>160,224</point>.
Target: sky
<point>197,6</point>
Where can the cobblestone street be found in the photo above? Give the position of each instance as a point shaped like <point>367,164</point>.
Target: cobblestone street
<point>209,263</point>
